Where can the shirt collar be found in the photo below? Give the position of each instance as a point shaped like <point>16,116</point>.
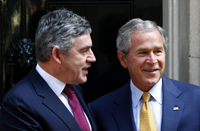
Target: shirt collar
<point>56,85</point>
<point>155,91</point>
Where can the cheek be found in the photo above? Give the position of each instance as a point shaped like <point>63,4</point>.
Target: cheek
<point>138,63</point>
<point>78,66</point>
<point>134,67</point>
<point>135,63</point>
<point>162,61</point>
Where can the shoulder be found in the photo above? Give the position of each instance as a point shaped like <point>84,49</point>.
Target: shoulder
<point>187,90</point>
<point>184,86</point>
<point>178,83</point>
<point>20,89</point>
<point>26,90</point>
<point>114,95</point>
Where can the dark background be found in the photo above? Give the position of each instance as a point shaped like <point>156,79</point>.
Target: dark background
<point>19,19</point>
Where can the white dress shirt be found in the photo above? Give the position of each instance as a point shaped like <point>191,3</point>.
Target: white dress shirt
<point>57,86</point>
<point>155,103</point>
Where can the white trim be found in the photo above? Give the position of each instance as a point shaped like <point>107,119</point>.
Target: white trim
<point>170,24</point>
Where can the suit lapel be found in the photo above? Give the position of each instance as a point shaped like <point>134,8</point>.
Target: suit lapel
<point>123,113</point>
<point>60,110</point>
<point>52,102</point>
<point>172,106</point>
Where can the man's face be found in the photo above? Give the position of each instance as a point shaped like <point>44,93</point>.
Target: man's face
<point>146,59</point>
<point>74,67</point>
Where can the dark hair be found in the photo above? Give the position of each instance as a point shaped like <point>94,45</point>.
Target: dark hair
<point>57,29</point>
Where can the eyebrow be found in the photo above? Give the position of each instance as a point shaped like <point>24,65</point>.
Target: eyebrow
<point>144,48</point>
<point>86,47</point>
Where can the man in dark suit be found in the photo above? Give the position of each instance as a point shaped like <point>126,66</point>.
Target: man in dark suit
<point>38,101</point>
<point>173,105</point>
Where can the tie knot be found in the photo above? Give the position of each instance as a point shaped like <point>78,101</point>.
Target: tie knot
<point>69,90</point>
<point>146,96</point>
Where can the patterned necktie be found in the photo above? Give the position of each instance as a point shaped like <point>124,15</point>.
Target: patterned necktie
<point>76,108</point>
<point>147,121</point>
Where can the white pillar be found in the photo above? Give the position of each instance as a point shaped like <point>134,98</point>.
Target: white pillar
<point>181,20</point>
<point>170,24</point>
<point>194,41</point>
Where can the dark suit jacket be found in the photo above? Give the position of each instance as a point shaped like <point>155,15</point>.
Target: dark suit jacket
<point>113,112</point>
<point>32,105</point>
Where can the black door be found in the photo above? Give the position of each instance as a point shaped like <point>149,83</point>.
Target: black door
<point>19,19</point>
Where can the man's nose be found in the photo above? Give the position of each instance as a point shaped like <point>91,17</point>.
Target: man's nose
<point>151,58</point>
<point>91,57</point>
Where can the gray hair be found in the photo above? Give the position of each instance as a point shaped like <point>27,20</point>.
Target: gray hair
<point>57,29</point>
<point>125,32</point>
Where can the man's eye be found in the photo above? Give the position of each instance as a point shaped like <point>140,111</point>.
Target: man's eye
<point>158,51</point>
<point>86,50</point>
<point>143,52</point>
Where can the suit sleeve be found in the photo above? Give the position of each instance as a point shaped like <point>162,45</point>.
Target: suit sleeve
<point>17,115</point>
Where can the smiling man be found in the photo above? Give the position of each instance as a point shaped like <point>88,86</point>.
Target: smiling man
<point>149,101</point>
<point>48,98</point>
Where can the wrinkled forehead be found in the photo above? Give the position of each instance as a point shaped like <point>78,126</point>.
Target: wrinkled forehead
<point>144,37</point>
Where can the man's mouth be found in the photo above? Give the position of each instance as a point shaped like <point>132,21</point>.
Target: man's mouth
<point>152,70</point>
<point>85,69</point>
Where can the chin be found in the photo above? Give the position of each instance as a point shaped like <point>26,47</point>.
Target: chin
<point>152,82</point>
<point>83,80</point>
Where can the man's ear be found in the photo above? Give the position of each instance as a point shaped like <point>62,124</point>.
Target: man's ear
<point>56,55</point>
<point>122,59</point>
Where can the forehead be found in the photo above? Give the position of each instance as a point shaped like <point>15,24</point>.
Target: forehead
<point>147,38</point>
<point>82,41</point>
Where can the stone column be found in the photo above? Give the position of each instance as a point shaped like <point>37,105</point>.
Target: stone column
<point>194,41</point>
<point>181,20</point>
